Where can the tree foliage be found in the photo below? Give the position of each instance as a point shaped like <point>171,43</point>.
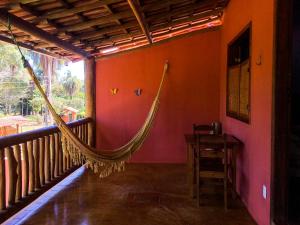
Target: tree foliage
<point>16,87</point>
<point>71,85</point>
<point>13,85</point>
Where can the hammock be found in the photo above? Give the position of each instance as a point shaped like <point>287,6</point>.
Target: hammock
<point>100,161</point>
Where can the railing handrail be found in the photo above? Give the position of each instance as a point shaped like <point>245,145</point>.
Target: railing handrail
<point>16,139</point>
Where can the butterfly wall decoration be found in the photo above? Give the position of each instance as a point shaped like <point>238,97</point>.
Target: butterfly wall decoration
<point>138,92</point>
<point>114,91</point>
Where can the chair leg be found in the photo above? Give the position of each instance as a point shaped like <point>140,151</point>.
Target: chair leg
<point>198,177</point>
<point>225,179</point>
<point>193,173</point>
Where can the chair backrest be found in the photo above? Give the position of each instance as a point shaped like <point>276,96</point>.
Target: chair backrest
<point>202,129</point>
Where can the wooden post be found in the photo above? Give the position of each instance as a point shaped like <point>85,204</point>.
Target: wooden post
<point>31,167</point>
<point>2,180</point>
<point>61,155</point>
<point>26,169</point>
<point>36,156</point>
<point>52,155</point>
<point>17,154</point>
<point>42,160</point>
<point>47,160</point>
<point>56,152</point>
<point>90,99</point>
<point>12,176</point>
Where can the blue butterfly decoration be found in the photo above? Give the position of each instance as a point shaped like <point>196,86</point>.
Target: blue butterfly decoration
<point>138,92</point>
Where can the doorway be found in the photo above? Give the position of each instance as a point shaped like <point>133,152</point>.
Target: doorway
<point>286,149</point>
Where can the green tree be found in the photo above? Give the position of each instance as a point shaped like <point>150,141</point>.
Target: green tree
<point>13,80</point>
<point>71,85</point>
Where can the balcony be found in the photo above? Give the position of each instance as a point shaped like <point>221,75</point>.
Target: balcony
<point>32,162</point>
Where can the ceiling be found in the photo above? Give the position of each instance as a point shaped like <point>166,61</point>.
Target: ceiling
<point>101,27</point>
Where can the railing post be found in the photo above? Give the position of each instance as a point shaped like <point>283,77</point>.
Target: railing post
<point>42,160</point>
<point>17,154</point>
<point>56,169</point>
<point>52,155</point>
<point>12,175</point>
<point>2,180</point>
<point>31,163</point>
<point>36,155</point>
<point>47,160</point>
<point>30,159</point>
<point>60,154</point>
<point>26,169</point>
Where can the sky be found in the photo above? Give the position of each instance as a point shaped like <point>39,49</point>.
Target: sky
<point>77,69</point>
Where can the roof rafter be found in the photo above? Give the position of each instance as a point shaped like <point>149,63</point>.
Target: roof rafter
<point>63,13</point>
<point>41,34</point>
<point>140,18</point>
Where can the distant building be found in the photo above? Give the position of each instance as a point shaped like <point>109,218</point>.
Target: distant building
<point>13,124</point>
<point>69,114</point>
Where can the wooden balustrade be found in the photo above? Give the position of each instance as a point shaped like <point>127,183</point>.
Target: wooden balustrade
<point>32,162</point>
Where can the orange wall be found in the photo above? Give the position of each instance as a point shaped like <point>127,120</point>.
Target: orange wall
<point>191,94</point>
<point>254,164</point>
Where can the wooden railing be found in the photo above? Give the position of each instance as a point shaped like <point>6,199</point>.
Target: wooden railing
<point>32,162</point>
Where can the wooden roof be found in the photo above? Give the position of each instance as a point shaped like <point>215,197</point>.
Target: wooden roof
<point>98,27</point>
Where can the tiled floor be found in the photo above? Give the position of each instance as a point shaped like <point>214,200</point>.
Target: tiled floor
<point>142,195</point>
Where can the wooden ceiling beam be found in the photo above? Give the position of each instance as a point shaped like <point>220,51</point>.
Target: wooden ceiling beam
<point>186,20</point>
<point>30,47</point>
<point>117,20</point>
<point>98,21</point>
<point>183,28</point>
<point>39,33</point>
<point>116,38</point>
<point>55,14</point>
<point>140,18</point>
<point>160,5</point>
<point>106,30</point>
<point>201,6</point>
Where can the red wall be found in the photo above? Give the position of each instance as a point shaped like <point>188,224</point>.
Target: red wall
<point>191,94</point>
<point>254,163</point>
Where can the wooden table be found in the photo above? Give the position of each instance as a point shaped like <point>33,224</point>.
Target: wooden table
<point>209,141</point>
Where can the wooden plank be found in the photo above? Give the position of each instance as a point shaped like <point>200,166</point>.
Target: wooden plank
<point>52,156</point>
<point>56,166</point>
<point>187,19</point>
<point>30,47</point>
<point>42,160</point>
<point>47,160</point>
<point>55,14</point>
<point>95,22</point>
<point>36,156</point>
<point>200,6</point>
<point>135,7</point>
<point>60,155</point>
<point>14,139</point>
<point>106,30</point>
<point>2,180</point>
<point>17,155</point>
<point>39,33</point>
<point>26,169</point>
<point>31,167</point>
<point>12,175</point>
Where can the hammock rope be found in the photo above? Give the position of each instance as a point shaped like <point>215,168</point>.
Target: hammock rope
<point>100,161</point>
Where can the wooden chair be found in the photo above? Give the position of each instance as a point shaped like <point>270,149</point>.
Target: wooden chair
<point>211,162</point>
<point>198,129</point>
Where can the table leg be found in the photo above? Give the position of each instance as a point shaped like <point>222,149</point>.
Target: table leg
<point>197,174</point>
<point>190,156</point>
<point>234,158</point>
